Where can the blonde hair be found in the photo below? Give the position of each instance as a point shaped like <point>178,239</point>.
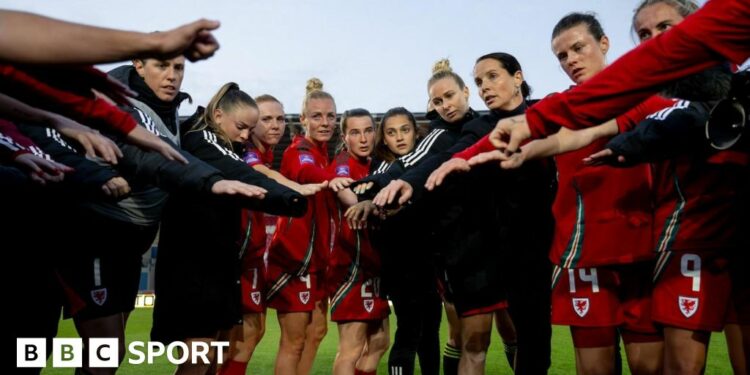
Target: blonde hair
<point>227,99</point>
<point>314,90</point>
<point>265,98</point>
<point>442,65</point>
<point>442,69</point>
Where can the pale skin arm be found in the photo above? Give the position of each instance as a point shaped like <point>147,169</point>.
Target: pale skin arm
<point>347,197</point>
<point>31,38</point>
<point>565,140</point>
<point>304,189</point>
<point>234,187</point>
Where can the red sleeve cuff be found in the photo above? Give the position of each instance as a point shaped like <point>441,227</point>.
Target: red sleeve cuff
<point>482,145</point>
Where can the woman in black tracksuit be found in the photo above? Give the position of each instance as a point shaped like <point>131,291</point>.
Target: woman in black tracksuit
<point>476,217</point>
<point>130,215</point>
<point>198,267</point>
<point>409,273</point>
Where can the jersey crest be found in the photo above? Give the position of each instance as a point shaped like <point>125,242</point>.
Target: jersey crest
<point>688,305</point>
<point>581,306</point>
<point>99,296</point>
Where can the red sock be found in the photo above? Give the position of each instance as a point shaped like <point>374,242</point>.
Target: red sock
<point>231,367</point>
<point>360,372</point>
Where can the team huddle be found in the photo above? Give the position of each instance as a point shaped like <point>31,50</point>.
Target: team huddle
<point>632,231</point>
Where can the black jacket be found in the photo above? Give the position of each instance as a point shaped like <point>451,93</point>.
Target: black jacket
<point>443,135</point>
<point>198,268</point>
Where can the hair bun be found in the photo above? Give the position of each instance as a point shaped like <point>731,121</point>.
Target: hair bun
<point>442,65</point>
<point>313,84</point>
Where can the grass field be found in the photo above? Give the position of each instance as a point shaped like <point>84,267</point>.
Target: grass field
<point>262,362</point>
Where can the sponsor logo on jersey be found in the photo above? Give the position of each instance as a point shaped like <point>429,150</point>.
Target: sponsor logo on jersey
<point>369,305</point>
<point>306,159</point>
<point>99,296</point>
<point>342,170</point>
<point>255,296</point>
<point>688,305</point>
<point>581,306</point>
<point>304,297</point>
<point>252,157</point>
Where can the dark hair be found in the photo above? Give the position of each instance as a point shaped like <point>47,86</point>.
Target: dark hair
<point>356,112</point>
<point>574,19</point>
<point>227,99</point>
<point>442,69</point>
<point>382,151</point>
<point>711,84</point>
<point>511,65</point>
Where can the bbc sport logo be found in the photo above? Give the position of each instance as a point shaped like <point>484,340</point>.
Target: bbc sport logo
<point>104,352</point>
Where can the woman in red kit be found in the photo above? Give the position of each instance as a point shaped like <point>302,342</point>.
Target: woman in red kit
<point>715,33</point>
<point>298,254</point>
<point>357,304</point>
<point>696,196</point>
<point>259,155</point>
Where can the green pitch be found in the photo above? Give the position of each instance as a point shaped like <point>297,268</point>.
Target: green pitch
<point>262,363</point>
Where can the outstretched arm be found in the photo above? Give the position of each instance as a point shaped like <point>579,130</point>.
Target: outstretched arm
<point>31,38</point>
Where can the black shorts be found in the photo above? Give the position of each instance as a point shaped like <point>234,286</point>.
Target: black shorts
<point>476,286</point>
<point>101,273</point>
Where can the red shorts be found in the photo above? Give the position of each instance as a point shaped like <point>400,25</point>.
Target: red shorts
<point>253,283</point>
<point>290,293</point>
<point>359,300</point>
<point>607,296</point>
<point>692,290</point>
<point>320,287</point>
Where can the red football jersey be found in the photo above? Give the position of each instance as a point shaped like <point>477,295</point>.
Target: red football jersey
<point>603,215</point>
<point>352,249</point>
<point>697,201</point>
<point>253,222</point>
<point>301,245</point>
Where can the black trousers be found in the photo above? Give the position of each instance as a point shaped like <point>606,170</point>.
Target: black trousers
<point>418,316</point>
<point>528,278</point>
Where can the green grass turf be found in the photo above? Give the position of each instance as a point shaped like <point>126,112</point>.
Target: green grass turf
<point>563,361</point>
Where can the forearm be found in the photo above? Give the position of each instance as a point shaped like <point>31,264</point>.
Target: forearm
<point>276,176</point>
<point>30,38</point>
<point>347,197</point>
<point>571,140</point>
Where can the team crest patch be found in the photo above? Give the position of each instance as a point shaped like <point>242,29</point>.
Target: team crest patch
<point>306,159</point>
<point>688,305</point>
<point>99,296</point>
<point>255,296</point>
<point>342,170</point>
<point>304,297</point>
<point>369,305</point>
<point>251,157</point>
<point>581,306</point>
